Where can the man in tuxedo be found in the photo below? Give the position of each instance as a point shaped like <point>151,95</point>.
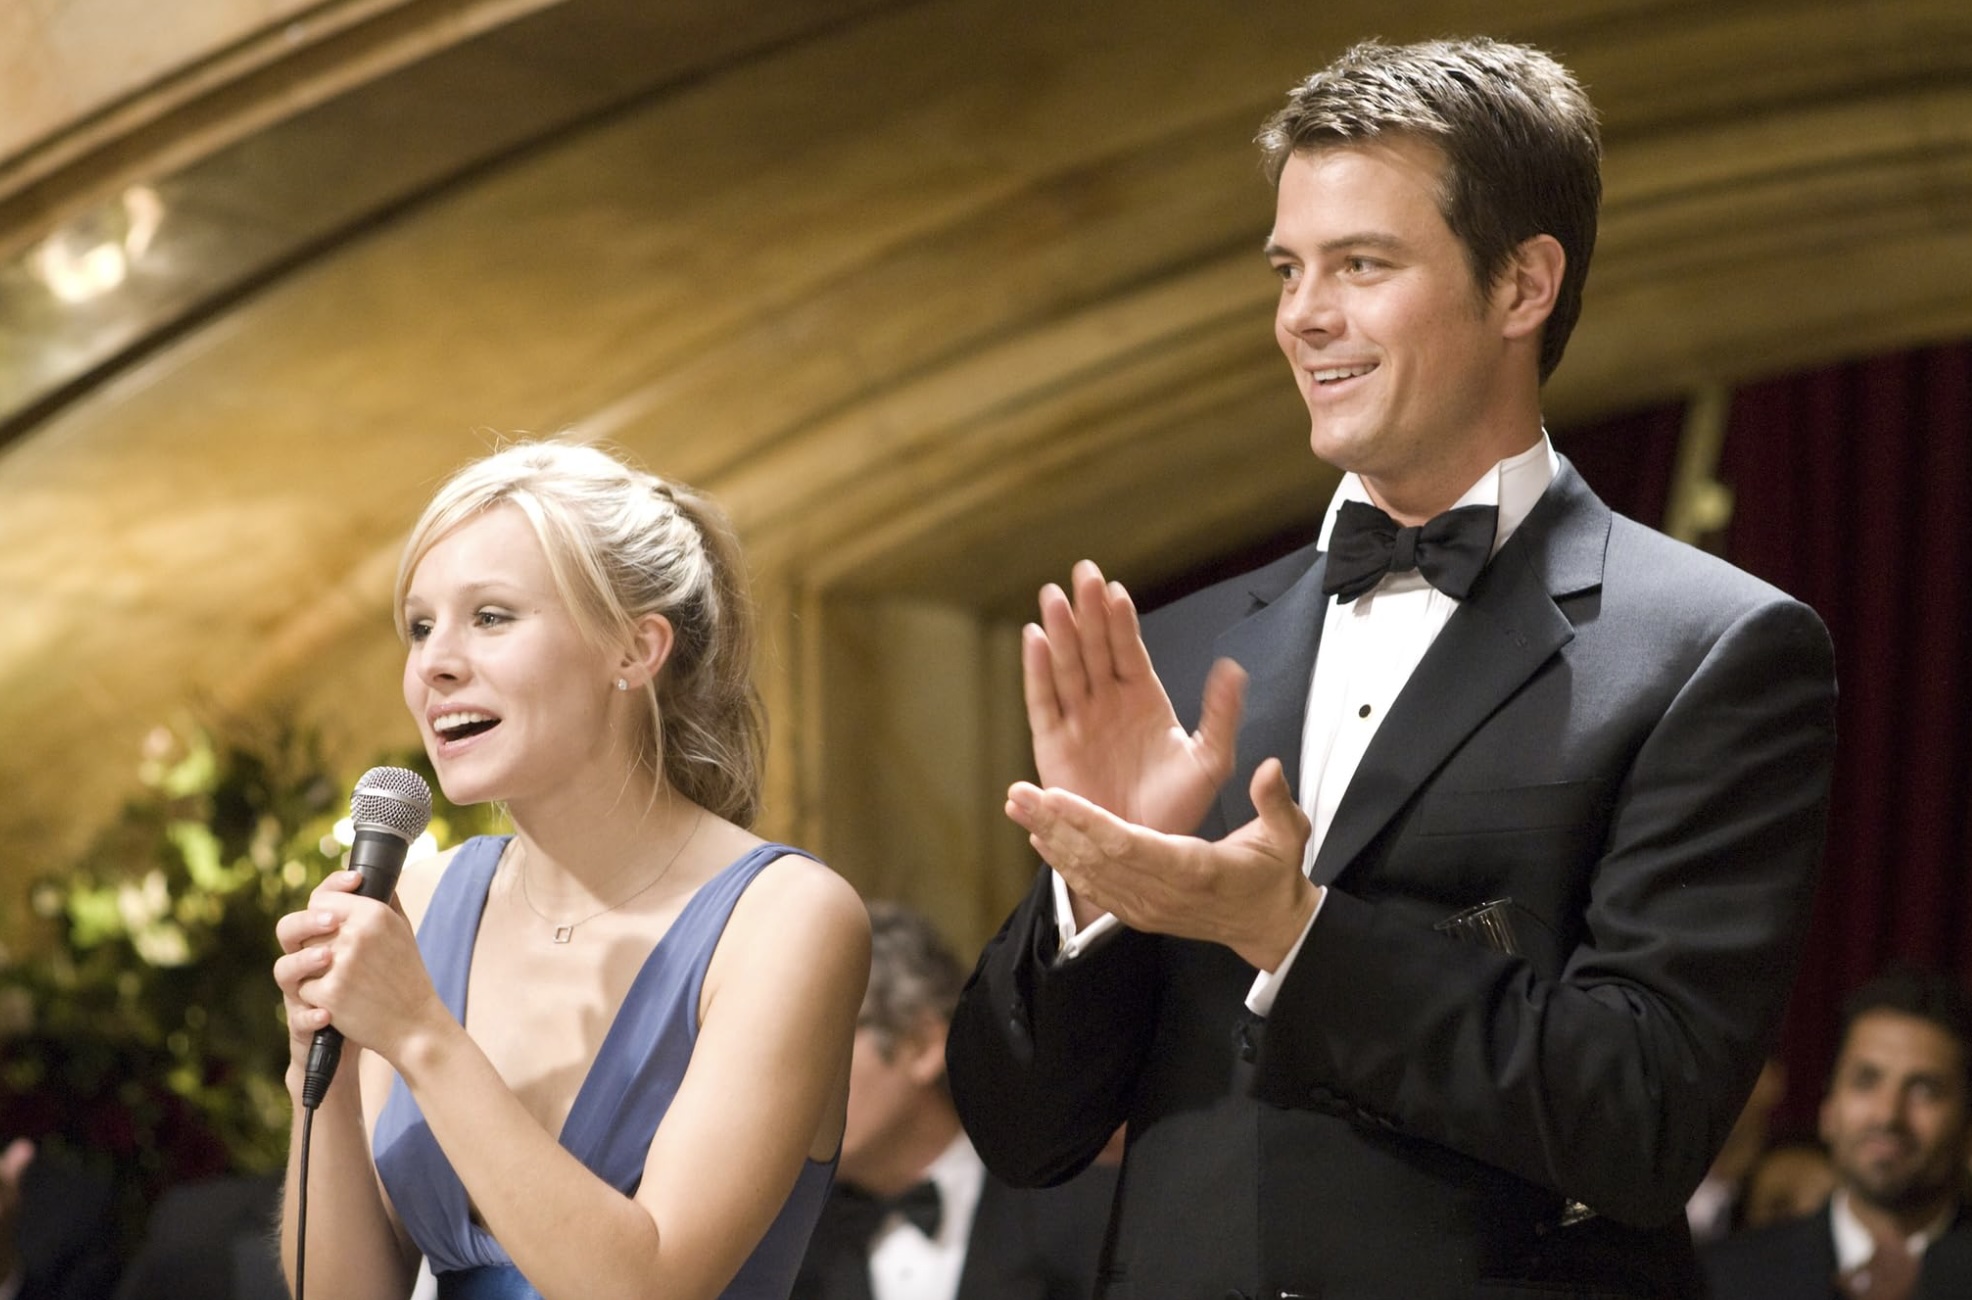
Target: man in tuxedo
<point>1897,1121</point>
<point>913,1214</point>
<point>1434,948</point>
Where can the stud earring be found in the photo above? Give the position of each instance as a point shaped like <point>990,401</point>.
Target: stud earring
<point>622,685</point>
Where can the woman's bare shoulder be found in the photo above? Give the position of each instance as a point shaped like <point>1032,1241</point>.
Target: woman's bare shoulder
<point>419,881</point>
<point>798,885</point>
<point>800,908</point>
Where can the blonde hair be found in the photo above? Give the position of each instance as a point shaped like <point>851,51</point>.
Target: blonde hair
<point>622,544</point>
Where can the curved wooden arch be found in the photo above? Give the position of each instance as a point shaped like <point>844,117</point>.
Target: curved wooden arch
<point>937,297</point>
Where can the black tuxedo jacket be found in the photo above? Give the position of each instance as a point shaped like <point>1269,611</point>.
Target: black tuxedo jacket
<point>1627,738</point>
<point>1795,1260</point>
<point>1034,1244</point>
<point>1947,1271</point>
<point>1781,1261</point>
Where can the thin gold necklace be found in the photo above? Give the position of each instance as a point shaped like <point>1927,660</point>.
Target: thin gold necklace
<point>565,931</point>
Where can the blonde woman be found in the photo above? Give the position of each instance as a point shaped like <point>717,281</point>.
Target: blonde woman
<point>606,1055</point>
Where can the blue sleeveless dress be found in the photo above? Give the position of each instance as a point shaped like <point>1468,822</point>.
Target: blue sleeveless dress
<point>616,1111</point>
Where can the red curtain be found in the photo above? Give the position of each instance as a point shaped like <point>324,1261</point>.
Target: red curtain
<point>1854,492</point>
<point>1628,459</point>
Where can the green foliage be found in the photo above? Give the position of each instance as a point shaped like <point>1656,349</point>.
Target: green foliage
<point>150,1032</point>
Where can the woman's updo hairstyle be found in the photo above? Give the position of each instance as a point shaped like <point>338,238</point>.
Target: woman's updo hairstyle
<point>622,544</point>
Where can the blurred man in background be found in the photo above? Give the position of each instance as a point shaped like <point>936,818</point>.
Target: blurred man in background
<point>914,1215</point>
<point>1897,1122</point>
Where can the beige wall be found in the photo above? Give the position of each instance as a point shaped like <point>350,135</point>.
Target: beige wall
<point>63,60</point>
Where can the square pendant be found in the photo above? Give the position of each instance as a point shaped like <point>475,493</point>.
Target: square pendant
<point>563,933</point>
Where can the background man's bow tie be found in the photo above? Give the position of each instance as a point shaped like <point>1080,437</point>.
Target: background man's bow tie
<point>919,1204</point>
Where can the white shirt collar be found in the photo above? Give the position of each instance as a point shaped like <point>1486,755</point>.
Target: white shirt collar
<point>1853,1244</point>
<point>1514,485</point>
<point>958,1174</point>
<point>904,1264</point>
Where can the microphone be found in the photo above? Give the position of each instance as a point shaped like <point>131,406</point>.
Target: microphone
<point>390,807</point>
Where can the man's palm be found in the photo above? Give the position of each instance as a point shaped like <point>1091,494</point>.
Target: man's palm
<point>1124,750</point>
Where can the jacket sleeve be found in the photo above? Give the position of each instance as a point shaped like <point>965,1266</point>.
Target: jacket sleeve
<point>1612,1075</point>
<point>1041,1057</point>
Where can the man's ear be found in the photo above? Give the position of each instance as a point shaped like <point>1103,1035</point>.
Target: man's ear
<point>922,1051</point>
<point>649,649</point>
<point>1529,285</point>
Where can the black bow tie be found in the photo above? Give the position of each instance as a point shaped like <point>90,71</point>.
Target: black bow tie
<point>1449,550</point>
<point>919,1204</point>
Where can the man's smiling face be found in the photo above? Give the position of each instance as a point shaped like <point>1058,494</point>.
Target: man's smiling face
<point>1402,358</point>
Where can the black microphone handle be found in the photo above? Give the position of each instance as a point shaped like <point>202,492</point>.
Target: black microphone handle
<point>378,856</point>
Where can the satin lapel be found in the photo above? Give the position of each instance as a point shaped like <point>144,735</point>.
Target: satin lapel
<point>1276,645</point>
<point>1506,629</point>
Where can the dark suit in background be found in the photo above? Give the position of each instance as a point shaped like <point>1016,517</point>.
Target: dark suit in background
<point>1792,1260</point>
<point>1035,1244</point>
<point>1947,1271</point>
<point>1040,1243</point>
<point>1795,1260</point>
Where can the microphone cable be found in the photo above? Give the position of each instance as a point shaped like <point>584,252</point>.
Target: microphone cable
<point>301,1209</point>
<point>390,808</point>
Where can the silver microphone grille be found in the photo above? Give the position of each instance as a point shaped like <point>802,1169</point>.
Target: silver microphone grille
<point>392,799</point>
